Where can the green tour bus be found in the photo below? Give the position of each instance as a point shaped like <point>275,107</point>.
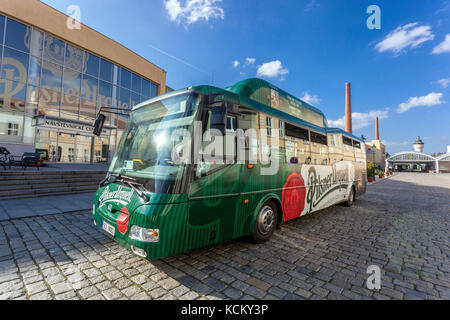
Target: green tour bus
<point>203,165</point>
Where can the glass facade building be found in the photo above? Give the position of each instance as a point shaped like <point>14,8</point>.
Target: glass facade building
<point>51,91</point>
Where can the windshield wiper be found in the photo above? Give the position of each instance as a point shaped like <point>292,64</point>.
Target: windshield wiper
<point>141,194</point>
<point>132,184</point>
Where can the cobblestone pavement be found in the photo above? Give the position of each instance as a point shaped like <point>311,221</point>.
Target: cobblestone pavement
<point>401,225</point>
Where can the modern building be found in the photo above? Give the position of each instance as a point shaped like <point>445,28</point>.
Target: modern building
<point>54,79</point>
<point>376,150</point>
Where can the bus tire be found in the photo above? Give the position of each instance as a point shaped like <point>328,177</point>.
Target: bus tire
<point>266,222</point>
<point>351,198</point>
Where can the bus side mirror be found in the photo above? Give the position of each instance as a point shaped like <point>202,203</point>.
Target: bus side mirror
<point>219,118</point>
<point>98,124</point>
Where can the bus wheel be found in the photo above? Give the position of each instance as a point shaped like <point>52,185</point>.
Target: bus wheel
<point>351,198</point>
<point>266,222</point>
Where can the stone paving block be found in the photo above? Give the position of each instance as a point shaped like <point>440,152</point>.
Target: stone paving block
<point>42,296</point>
<point>61,287</point>
<point>191,295</point>
<point>179,291</point>
<point>36,288</point>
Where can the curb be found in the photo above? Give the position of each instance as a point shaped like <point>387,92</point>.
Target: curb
<point>379,181</point>
<point>46,215</point>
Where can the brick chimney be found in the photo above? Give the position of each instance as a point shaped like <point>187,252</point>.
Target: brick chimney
<point>377,129</point>
<point>348,108</point>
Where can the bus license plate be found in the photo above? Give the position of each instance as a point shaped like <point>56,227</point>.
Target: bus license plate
<point>109,228</point>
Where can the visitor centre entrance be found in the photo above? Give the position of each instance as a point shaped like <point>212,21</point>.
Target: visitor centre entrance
<point>72,142</point>
<point>411,162</point>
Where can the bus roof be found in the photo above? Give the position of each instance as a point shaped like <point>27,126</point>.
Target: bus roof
<point>262,96</point>
<point>270,95</point>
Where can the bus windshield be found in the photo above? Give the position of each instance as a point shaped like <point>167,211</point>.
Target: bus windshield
<point>145,150</point>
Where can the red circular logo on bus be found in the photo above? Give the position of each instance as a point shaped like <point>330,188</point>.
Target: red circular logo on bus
<point>122,221</point>
<point>293,198</point>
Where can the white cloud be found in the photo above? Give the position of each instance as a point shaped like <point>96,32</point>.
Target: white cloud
<point>444,82</point>
<point>250,60</point>
<point>235,63</point>
<point>361,120</point>
<point>193,10</point>
<point>429,100</point>
<point>313,100</point>
<point>272,69</point>
<point>311,5</point>
<point>411,35</point>
<point>444,46</point>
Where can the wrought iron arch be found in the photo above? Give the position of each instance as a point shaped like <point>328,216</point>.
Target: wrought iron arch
<point>411,157</point>
<point>444,157</point>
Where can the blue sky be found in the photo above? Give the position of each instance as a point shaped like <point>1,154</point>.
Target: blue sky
<point>309,48</point>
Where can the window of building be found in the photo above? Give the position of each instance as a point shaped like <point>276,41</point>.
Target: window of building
<point>357,144</point>
<point>106,70</point>
<point>71,154</point>
<point>88,88</point>
<point>91,64</point>
<point>153,90</point>
<point>124,100</point>
<point>332,140</point>
<point>105,90</point>
<point>135,99</point>
<point>13,129</point>
<point>347,141</point>
<point>15,65</point>
<point>136,83</point>
<point>69,106</point>
<point>15,35</point>
<point>13,100</point>
<point>54,49</point>
<point>49,102</point>
<point>105,93</point>
<point>145,88</point>
<point>281,128</point>
<point>318,138</point>
<point>98,155</point>
<point>296,132</point>
<point>74,58</point>
<point>51,76</point>
<point>125,78</point>
<point>269,126</point>
<point>72,82</point>
<point>2,26</point>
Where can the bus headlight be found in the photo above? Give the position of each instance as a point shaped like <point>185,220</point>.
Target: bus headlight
<point>144,235</point>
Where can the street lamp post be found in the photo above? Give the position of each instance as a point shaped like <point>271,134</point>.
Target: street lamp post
<point>373,158</point>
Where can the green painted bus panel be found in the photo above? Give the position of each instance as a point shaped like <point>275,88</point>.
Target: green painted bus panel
<point>212,201</point>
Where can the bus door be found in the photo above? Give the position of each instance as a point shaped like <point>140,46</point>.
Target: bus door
<point>213,193</point>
